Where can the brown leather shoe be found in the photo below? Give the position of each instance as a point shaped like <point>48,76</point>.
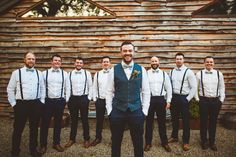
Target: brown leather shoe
<point>213,147</point>
<point>86,144</point>
<point>43,150</point>
<point>58,147</point>
<point>147,147</point>
<point>69,143</point>
<point>167,147</point>
<point>204,146</point>
<point>95,142</point>
<point>186,147</point>
<point>172,140</point>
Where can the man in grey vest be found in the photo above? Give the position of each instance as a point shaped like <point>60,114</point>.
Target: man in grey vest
<point>26,94</point>
<point>127,100</point>
<point>184,87</point>
<point>211,95</point>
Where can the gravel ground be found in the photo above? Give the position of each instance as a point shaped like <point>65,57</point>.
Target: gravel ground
<point>226,142</point>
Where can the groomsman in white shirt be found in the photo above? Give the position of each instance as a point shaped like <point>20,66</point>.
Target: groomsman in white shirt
<point>211,94</point>
<point>161,94</point>
<point>81,93</point>
<point>184,87</point>
<point>26,94</point>
<point>99,95</point>
<point>57,94</point>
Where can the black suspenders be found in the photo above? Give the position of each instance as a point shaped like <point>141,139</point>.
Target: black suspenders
<point>97,84</point>
<point>218,76</point>
<point>62,85</point>
<point>85,81</point>
<point>183,81</point>
<point>21,88</point>
<point>162,83</point>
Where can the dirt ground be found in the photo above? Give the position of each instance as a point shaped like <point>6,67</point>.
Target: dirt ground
<point>226,143</point>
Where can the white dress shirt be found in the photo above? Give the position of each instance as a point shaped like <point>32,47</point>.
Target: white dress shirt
<point>210,84</point>
<point>79,86</point>
<point>144,92</point>
<point>54,82</point>
<point>29,86</point>
<point>190,84</point>
<point>155,78</point>
<point>99,84</point>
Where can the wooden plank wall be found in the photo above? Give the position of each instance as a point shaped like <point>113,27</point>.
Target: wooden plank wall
<point>156,27</point>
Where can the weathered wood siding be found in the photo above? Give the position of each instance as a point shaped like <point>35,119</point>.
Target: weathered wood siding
<point>156,27</point>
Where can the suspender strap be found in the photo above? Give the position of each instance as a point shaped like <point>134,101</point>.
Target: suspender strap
<point>183,81</point>
<point>21,90</point>
<point>46,83</point>
<point>85,81</point>
<point>218,75</point>
<point>203,93</point>
<point>62,84</point>
<point>98,84</point>
<point>37,84</point>
<point>71,91</point>
<point>171,80</point>
<point>162,83</point>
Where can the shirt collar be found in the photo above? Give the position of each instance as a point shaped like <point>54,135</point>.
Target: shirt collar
<point>130,64</point>
<point>181,68</point>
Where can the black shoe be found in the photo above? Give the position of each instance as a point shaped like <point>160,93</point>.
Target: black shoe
<point>213,147</point>
<point>204,146</point>
<point>35,153</point>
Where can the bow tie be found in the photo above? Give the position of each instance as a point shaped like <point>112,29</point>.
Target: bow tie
<point>155,71</point>
<point>177,69</point>
<point>56,70</point>
<point>127,67</point>
<point>208,72</point>
<point>78,72</point>
<point>30,70</point>
<point>106,71</point>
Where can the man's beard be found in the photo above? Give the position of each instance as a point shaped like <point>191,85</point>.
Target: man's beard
<point>155,66</point>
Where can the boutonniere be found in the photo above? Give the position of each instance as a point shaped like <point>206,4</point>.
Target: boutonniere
<point>135,74</point>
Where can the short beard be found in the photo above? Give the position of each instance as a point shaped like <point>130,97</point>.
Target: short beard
<point>154,66</point>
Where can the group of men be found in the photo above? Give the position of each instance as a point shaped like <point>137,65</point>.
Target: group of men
<point>127,91</point>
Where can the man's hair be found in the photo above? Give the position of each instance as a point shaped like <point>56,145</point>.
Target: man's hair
<point>179,54</point>
<point>55,55</point>
<point>79,58</point>
<point>28,53</point>
<point>208,57</point>
<point>126,43</point>
<point>106,57</point>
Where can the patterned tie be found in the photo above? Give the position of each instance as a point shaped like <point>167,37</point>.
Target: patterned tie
<point>127,67</point>
<point>208,72</point>
<point>30,70</point>
<point>56,70</point>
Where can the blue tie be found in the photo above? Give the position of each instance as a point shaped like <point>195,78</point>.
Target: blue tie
<point>208,72</point>
<point>30,70</point>
<point>78,72</point>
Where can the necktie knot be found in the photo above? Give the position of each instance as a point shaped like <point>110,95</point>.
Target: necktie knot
<point>30,70</point>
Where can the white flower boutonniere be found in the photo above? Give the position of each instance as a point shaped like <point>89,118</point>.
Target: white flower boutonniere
<point>135,74</point>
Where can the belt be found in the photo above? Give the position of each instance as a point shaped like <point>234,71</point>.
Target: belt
<point>209,98</point>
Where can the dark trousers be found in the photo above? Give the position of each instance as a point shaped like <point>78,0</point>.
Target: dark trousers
<point>118,121</point>
<point>52,108</point>
<point>100,112</point>
<point>23,110</point>
<point>180,107</point>
<point>209,110</point>
<point>79,104</point>
<point>158,106</point>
